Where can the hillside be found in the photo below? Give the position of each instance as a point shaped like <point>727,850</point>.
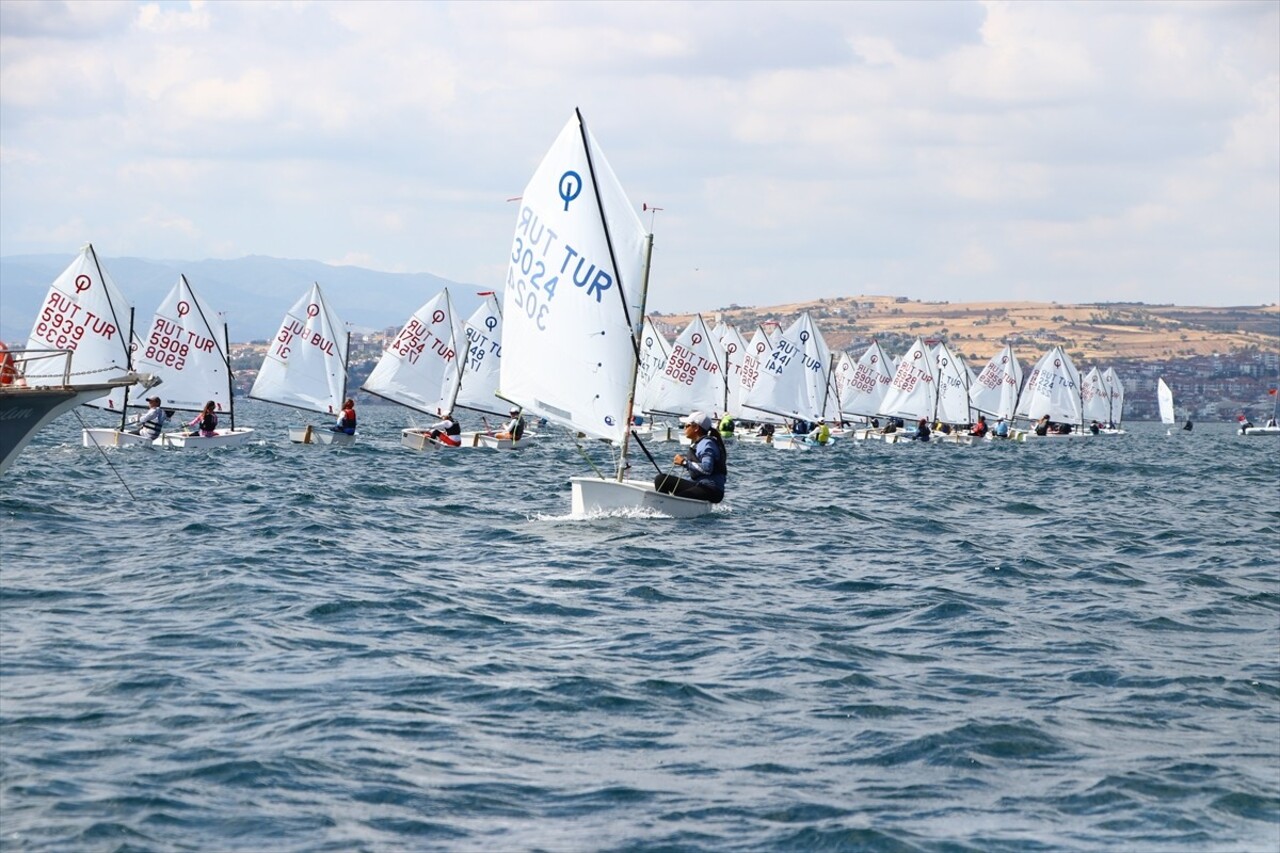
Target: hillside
<point>1100,332</point>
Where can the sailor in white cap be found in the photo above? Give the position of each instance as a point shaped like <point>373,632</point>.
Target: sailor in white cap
<point>707,466</point>
<point>514,428</point>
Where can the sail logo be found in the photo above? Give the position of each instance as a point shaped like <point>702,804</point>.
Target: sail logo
<point>570,187</point>
<point>83,283</point>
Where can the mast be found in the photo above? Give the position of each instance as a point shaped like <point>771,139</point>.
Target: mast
<point>124,407</point>
<point>636,332</point>
<point>231,387</point>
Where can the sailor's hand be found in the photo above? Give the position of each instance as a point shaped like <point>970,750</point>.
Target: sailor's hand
<point>679,460</point>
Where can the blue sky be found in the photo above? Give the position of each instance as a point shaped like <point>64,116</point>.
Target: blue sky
<point>1069,152</point>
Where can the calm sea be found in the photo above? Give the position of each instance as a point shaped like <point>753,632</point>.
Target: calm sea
<point>1066,646</point>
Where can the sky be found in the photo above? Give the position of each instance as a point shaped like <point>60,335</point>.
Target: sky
<point>959,151</point>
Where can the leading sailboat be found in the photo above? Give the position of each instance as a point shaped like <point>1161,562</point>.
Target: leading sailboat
<point>573,312</point>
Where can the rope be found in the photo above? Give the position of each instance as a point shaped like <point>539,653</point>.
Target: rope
<point>107,459</point>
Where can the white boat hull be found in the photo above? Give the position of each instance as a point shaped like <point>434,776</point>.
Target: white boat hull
<point>1030,435</point>
<point>320,435</point>
<point>105,437</point>
<point>592,495</point>
<point>222,438</point>
<point>420,439</point>
<point>1262,430</point>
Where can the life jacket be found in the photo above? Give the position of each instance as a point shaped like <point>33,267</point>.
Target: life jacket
<point>348,420</point>
<point>518,432</point>
<point>208,422</point>
<point>979,429</point>
<point>454,428</point>
<point>155,427</point>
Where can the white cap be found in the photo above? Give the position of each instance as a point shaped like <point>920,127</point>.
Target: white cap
<point>702,419</point>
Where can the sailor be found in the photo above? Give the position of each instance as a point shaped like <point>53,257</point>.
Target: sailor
<point>922,430</point>
<point>979,430</point>
<point>447,431</point>
<point>726,425</point>
<point>514,428</point>
<point>151,421</point>
<point>347,419</point>
<point>205,424</point>
<point>820,434</point>
<point>707,466</point>
<point>1002,428</point>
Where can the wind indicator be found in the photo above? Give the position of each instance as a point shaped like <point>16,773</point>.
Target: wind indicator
<point>652,211</point>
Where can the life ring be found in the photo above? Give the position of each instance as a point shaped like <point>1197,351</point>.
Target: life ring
<point>8,371</point>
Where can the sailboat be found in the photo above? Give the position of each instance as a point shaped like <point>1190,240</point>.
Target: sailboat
<point>420,368</point>
<point>913,394</point>
<point>862,386</point>
<point>1115,403</point>
<point>1271,427</point>
<point>734,347</point>
<point>477,390</point>
<point>1052,391</point>
<point>85,312</point>
<point>1164,397</point>
<point>793,381</point>
<point>753,359</point>
<point>573,312</point>
<point>1095,400</point>
<point>953,404</point>
<point>994,393</point>
<point>306,367</point>
<point>693,378</point>
<point>189,348</point>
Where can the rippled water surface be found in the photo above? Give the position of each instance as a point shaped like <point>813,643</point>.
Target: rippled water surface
<point>1066,646</point>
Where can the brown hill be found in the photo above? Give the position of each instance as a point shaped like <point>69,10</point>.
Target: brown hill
<point>1091,332</point>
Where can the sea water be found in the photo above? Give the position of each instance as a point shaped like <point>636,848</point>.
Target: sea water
<point>1062,645</point>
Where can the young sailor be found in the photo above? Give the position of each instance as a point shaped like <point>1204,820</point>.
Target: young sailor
<point>150,422</point>
<point>205,424</point>
<point>446,431</point>
<point>708,466</point>
<point>347,419</point>
<point>514,428</point>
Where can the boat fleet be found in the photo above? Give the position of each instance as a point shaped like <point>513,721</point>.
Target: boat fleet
<point>567,344</point>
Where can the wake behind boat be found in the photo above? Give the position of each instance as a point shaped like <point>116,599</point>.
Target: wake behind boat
<point>573,314</point>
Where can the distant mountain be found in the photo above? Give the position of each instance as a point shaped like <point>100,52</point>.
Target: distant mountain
<point>253,292</point>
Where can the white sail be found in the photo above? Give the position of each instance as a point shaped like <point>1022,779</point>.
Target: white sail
<point>758,349</point>
<point>734,347</point>
<point>994,391</point>
<point>793,379</point>
<point>862,385</point>
<point>483,360</point>
<point>654,349</point>
<point>306,362</point>
<point>1053,389</point>
<point>85,312</point>
<point>1115,394</point>
<point>421,368</point>
<point>574,301</point>
<point>1165,397</point>
<point>692,379</point>
<point>186,347</point>
<point>1094,402</point>
<point>913,394</point>
<point>954,380</point>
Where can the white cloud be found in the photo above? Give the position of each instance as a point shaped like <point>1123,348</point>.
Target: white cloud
<point>1050,150</point>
